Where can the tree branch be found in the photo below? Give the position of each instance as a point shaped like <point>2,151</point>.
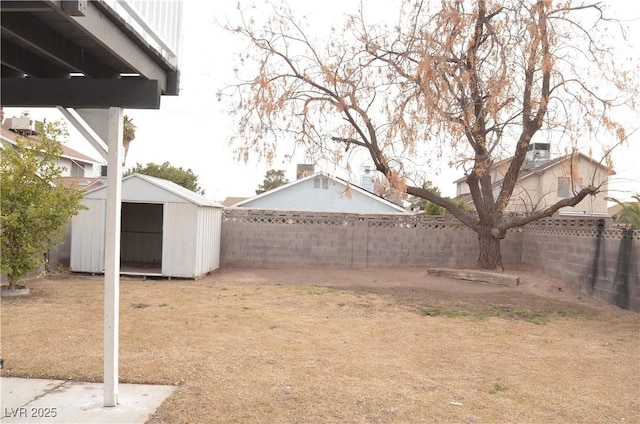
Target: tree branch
<point>464,217</point>
<point>549,210</point>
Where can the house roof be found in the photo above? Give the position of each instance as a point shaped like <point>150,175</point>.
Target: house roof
<point>525,173</point>
<point>230,201</point>
<point>82,183</point>
<point>346,184</point>
<point>553,162</point>
<point>170,187</point>
<point>614,210</point>
<point>67,152</point>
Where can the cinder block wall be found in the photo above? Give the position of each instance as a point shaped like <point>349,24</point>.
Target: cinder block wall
<point>602,262</point>
<point>282,245</point>
<point>276,240</point>
<point>252,238</point>
<point>428,245</point>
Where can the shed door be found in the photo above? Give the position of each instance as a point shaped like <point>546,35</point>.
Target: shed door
<point>141,234</point>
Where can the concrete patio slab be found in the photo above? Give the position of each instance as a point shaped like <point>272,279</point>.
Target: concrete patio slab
<point>58,401</point>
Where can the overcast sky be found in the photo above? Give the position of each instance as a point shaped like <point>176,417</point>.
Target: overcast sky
<point>192,130</point>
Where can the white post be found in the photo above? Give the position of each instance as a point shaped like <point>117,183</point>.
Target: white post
<point>112,255</point>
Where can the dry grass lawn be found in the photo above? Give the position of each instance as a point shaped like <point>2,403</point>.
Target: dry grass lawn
<point>242,350</point>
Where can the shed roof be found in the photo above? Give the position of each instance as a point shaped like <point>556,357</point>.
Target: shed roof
<point>168,186</point>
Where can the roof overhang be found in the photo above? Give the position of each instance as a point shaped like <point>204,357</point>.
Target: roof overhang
<point>80,54</point>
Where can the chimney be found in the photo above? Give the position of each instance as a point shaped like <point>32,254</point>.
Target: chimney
<point>304,170</point>
<point>366,180</point>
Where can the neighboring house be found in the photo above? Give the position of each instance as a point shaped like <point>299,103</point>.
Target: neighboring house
<point>544,181</point>
<point>166,230</point>
<point>320,192</point>
<point>73,164</point>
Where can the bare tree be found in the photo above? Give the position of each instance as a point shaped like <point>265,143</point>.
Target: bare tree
<point>476,79</point>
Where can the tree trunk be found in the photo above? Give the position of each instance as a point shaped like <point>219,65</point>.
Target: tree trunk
<point>12,284</point>
<point>489,243</point>
<point>125,145</point>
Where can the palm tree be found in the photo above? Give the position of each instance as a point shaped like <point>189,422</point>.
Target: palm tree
<point>630,211</point>
<point>129,134</point>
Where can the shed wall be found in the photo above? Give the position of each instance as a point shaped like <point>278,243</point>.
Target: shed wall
<point>209,226</point>
<point>87,237</point>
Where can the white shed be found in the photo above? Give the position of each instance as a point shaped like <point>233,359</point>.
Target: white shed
<point>167,230</point>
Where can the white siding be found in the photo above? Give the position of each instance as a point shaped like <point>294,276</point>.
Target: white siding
<point>87,237</point>
<point>320,194</point>
<point>209,227</point>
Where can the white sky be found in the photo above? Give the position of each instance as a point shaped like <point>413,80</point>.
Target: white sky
<point>192,130</point>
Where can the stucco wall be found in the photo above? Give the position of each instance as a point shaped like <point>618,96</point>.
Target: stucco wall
<point>541,189</point>
<point>583,172</point>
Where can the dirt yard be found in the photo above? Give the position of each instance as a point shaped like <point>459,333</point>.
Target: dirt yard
<point>343,346</point>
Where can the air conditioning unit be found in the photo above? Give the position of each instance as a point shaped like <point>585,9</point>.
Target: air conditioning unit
<point>24,124</point>
<point>537,154</point>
